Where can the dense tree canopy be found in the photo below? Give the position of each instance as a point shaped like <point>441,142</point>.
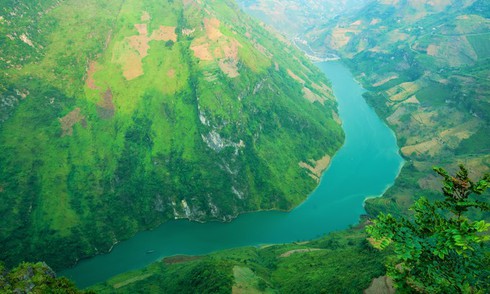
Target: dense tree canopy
<point>440,250</point>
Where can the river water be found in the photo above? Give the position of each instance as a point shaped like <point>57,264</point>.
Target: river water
<point>364,167</point>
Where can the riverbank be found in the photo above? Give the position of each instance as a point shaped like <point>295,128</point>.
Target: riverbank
<point>369,158</point>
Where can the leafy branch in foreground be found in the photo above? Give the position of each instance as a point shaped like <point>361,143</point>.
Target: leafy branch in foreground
<point>439,250</point>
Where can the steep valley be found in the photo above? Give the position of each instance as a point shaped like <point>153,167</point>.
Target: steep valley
<point>116,116</point>
<point>425,65</point>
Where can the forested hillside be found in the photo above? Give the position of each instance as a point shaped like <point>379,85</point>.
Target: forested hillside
<point>116,116</point>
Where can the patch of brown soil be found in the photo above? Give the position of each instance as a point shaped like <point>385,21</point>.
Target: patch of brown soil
<point>69,120</point>
<point>229,64</point>
<point>171,73</point>
<point>381,285</point>
<point>132,66</point>
<point>179,259</point>
<point>212,28</point>
<point>290,252</point>
<point>105,107</point>
<point>164,33</point>
<point>202,52</point>
<point>413,99</point>
<point>432,50</point>
<point>312,97</point>
<point>90,82</point>
<point>229,67</point>
<point>375,243</point>
<point>384,81</point>
<point>142,29</point>
<point>215,46</point>
<point>226,48</point>
<point>26,40</point>
<point>317,167</point>
<point>322,88</point>
<point>218,52</point>
<point>336,117</point>
<point>431,147</point>
<point>132,62</point>
<point>402,91</point>
<point>231,49</point>
<point>140,44</point>
<point>294,76</point>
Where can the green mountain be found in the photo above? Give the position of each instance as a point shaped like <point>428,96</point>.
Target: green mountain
<point>116,116</point>
<point>426,66</point>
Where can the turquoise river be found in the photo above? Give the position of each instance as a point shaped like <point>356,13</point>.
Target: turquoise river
<point>365,166</point>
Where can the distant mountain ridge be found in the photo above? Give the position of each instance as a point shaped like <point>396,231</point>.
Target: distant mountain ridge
<point>295,17</point>
<point>116,116</point>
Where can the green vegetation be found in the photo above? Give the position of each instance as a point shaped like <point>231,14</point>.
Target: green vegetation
<point>34,278</point>
<point>441,249</point>
<point>339,263</point>
<point>426,67</point>
<point>116,116</point>
<point>183,109</point>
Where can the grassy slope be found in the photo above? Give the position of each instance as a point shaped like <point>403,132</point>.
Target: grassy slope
<point>340,263</point>
<point>84,164</point>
